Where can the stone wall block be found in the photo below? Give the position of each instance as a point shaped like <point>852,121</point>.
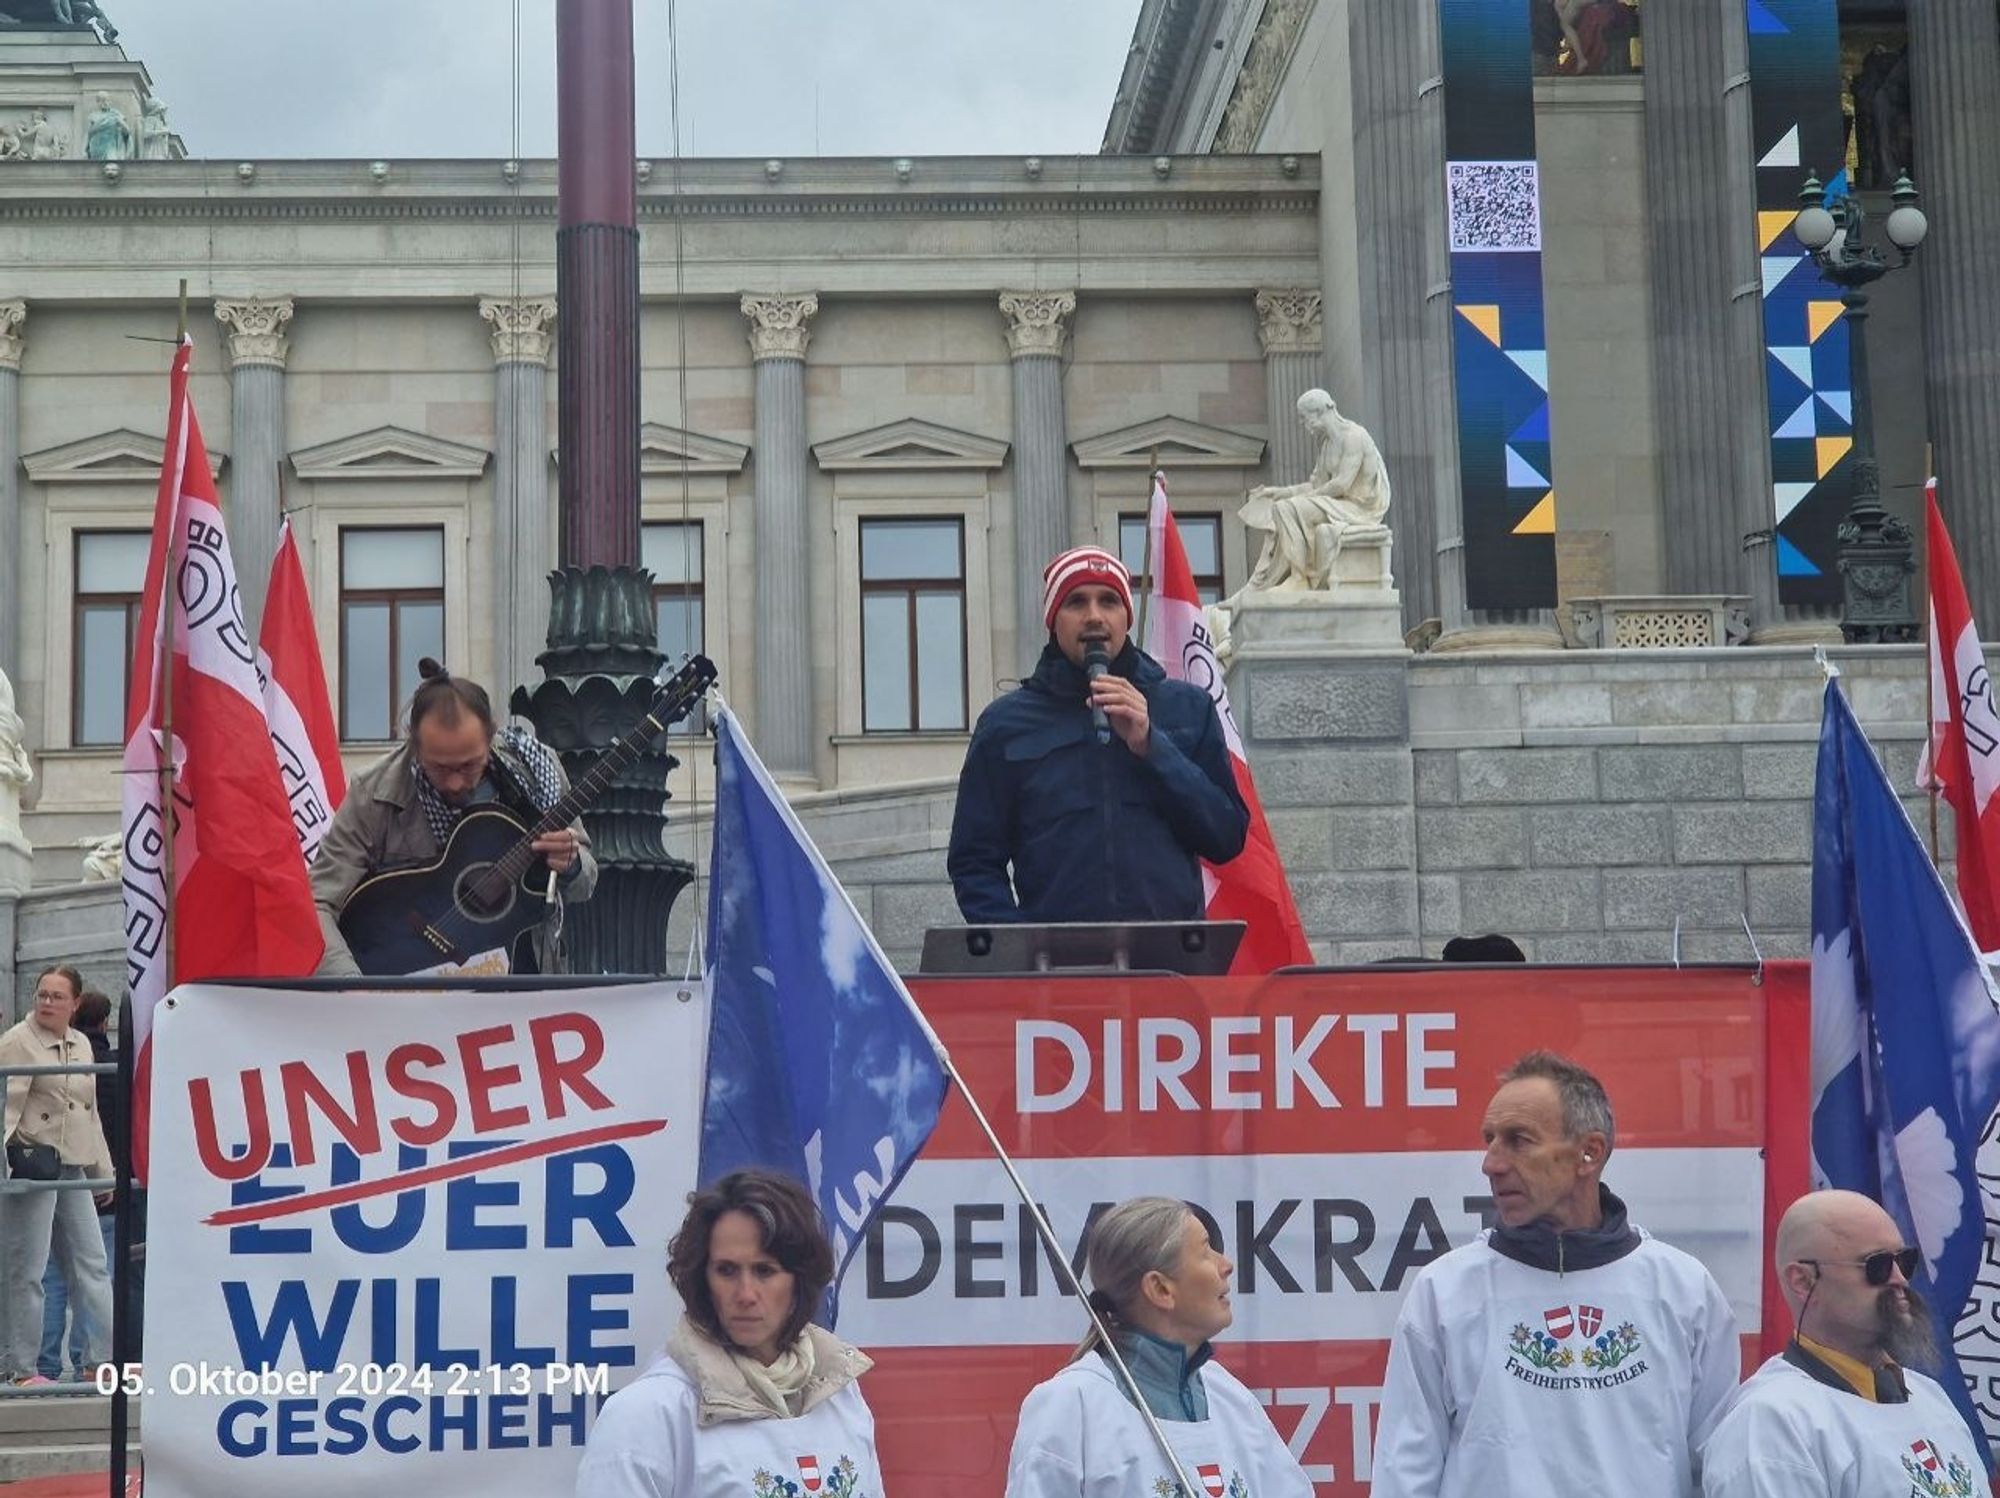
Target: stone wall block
<point>1311,702</point>
<point>1744,832</point>
<point>1436,777</point>
<point>1606,946</point>
<point>1657,703</point>
<point>1373,838</point>
<point>1332,777</point>
<point>1382,906</point>
<point>1464,708</point>
<point>1304,836</point>
<point>1548,900</point>
<point>1886,699</point>
<point>1518,775</point>
<point>1438,902</point>
<point>1779,772</point>
<point>1646,899</point>
<point>1734,946</point>
<point>1670,772</point>
<point>1468,838</point>
<point>893,868</point>
<point>1593,835</point>
<point>904,912</point>
<point>1776,701</point>
<point>1569,704</point>
<point>1780,898</point>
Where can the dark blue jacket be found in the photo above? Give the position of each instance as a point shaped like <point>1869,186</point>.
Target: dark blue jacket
<point>1093,831</point>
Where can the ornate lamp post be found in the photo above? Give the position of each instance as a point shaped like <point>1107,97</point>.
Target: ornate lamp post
<point>1877,557</point>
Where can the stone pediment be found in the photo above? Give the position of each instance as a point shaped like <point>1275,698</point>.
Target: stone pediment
<point>910,443</point>
<point>1174,441</point>
<point>389,453</point>
<point>665,449</point>
<point>120,457</point>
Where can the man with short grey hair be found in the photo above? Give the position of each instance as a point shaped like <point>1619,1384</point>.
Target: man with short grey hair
<point>1563,1343</point>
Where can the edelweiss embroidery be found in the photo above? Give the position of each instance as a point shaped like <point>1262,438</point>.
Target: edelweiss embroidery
<point>1934,1477</point>
<point>842,1482</point>
<point>1608,1358</point>
<point>1210,1476</point>
<point>1539,1348</point>
<point>1612,1348</point>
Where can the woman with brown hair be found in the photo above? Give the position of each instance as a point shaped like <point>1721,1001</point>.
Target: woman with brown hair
<point>751,1400</point>
<point>1162,1290</point>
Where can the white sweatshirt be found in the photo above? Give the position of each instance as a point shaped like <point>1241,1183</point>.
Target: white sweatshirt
<point>646,1444</point>
<point>1081,1437</point>
<point>1786,1434</point>
<point>1508,1380</point>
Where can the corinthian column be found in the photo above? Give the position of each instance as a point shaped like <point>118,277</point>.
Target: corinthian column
<point>257,350</point>
<point>1035,329</point>
<point>778,339</point>
<point>1955,86</point>
<point>13,596</point>
<point>1289,327</point>
<point>523,550</point>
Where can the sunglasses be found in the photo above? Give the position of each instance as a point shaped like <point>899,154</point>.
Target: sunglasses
<point>1875,1267</point>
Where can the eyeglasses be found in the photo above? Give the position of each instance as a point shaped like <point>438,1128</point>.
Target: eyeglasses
<point>1875,1267</point>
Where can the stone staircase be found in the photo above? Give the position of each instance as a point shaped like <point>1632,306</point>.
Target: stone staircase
<point>47,1435</point>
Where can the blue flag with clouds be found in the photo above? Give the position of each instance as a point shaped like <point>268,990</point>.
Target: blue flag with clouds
<point>819,1063</point>
<point>1906,1038</point>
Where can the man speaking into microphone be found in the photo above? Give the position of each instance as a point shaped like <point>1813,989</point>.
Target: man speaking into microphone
<point>1100,783</point>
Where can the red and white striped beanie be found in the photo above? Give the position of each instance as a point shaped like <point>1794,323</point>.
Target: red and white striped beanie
<point>1077,567</point>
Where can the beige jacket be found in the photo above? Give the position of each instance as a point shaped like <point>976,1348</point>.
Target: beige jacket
<point>723,1393</point>
<point>382,826</point>
<point>57,1110</point>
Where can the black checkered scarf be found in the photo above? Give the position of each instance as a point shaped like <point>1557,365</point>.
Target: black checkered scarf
<point>525,770</point>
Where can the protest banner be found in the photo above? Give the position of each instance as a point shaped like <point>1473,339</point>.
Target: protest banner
<point>407,1242</point>
<point>1328,1128</point>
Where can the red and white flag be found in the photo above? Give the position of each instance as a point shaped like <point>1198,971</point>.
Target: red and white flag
<point>241,905</point>
<point>1251,887</point>
<point>295,700</point>
<point>1962,756</point>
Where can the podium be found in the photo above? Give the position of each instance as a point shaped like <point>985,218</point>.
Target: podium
<point>1194,949</point>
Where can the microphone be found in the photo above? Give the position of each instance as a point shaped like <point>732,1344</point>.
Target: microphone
<point>1095,664</point>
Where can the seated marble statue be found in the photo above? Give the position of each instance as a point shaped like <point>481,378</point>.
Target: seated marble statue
<point>1347,493</point>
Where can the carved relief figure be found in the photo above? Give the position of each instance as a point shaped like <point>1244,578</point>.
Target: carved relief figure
<point>1583,36</point>
<point>1883,129</point>
<point>11,148</point>
<point>43,140</point>
<point>15,769</point>
<point>1348,491</point>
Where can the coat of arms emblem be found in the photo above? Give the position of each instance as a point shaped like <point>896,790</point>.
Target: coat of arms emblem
<point>809,1476</point>
<point>1561,1322</point>
<point>1590,1319</point>
<point>1210,1474</point>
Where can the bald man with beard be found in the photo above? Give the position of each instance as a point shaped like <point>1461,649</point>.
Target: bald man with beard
<point>1840,1412</point>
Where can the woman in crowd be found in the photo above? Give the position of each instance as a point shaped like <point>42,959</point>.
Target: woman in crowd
<point>751,1400</point>
<point>1163,1292</point>
<point>52,1133</point>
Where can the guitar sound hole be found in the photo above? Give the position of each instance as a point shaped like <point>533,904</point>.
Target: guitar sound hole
<point>465,894</point>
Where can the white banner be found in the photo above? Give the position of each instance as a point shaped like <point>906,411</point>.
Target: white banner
<point>423,1234</point>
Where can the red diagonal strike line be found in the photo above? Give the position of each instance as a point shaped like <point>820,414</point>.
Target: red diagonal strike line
<point>426,1175</point>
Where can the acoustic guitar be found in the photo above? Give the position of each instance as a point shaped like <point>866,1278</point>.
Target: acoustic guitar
<point>469,911</point>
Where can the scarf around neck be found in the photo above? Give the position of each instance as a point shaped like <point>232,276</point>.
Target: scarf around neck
<point>781,1384</point>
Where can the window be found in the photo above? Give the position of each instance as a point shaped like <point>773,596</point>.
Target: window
<point>391,615</point>
<point>1201,535</point>
<point>912,625</point>
<point>110,575</point>
<point>671,551</point>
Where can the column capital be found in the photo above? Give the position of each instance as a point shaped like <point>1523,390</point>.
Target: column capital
<point>778,324</point>
<point>1289,321</point>
<point>12,344</point>
<point>523,327</point>
<point>256,329</point>
<point>1035,320</point>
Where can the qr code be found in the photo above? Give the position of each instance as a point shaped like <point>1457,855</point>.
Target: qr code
<point>1494,205</point>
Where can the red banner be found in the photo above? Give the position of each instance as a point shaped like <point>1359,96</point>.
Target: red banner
<point>1327,1126</point>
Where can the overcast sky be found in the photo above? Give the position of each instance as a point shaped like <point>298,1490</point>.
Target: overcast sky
<point>367,78</point>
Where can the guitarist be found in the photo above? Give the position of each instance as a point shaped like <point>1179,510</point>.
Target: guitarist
<point>401,810</point>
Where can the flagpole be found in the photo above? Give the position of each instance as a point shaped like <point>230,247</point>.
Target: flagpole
<point>1930,721</point>
<point>1146,571</point>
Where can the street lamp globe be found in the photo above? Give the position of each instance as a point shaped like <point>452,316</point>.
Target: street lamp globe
<point>1814,226</point>
<point>1907,225</point>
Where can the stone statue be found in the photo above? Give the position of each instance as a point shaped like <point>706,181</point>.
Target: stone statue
<point>1883,129</point>
<point>1348,491</point>
<point>103,859</point>
<point>155,136</point>
<point>15,769</point>
<point>43,140</point>
<point>107,136</point>
<point>58,13</point>
<point>11,148</point>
